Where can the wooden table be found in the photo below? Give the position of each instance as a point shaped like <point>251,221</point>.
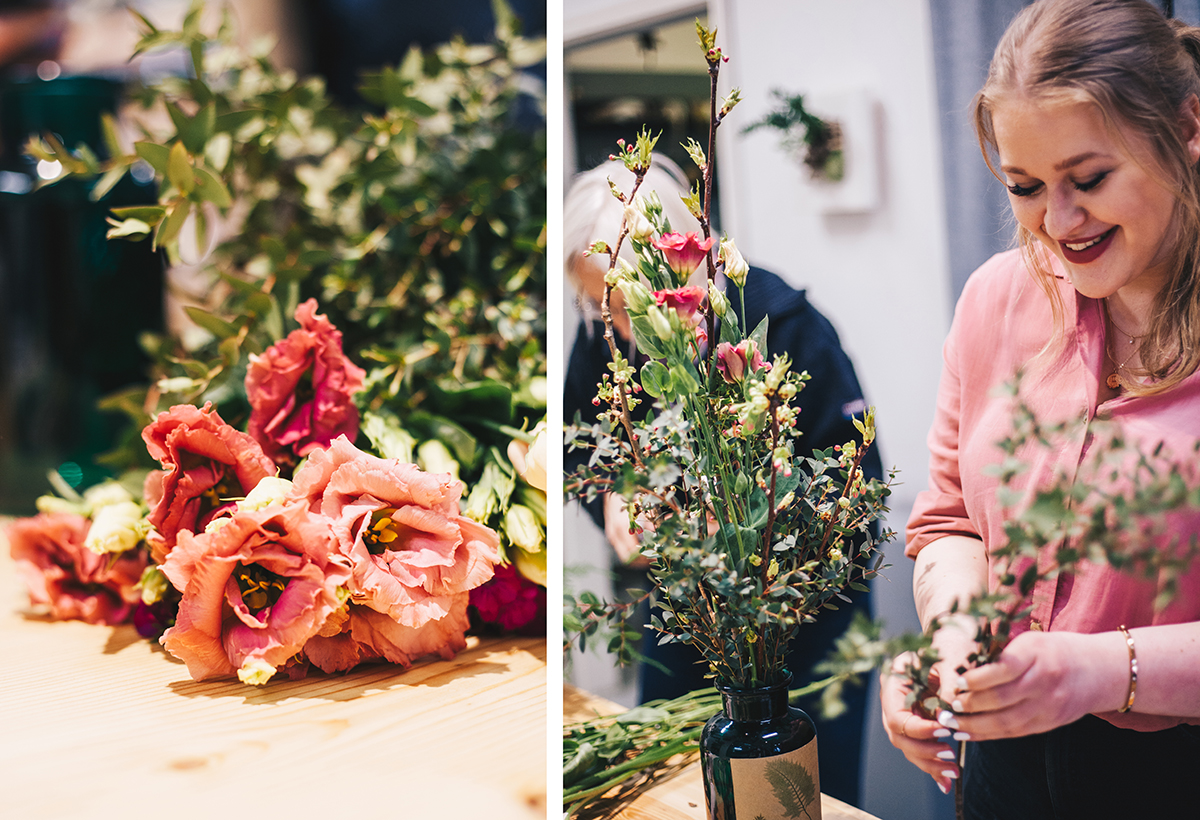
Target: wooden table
<point>679,794</point>
<point>98,723</point>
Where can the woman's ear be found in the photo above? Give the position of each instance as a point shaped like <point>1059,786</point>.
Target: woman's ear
<point>1189,120</point>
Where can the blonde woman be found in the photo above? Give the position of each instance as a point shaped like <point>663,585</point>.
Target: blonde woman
<point>1091,117</point>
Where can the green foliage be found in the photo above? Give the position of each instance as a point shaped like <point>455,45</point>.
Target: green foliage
<point>818,142</point>
<point>1115,509</point>
<point>418,227</point>
<point>793,787</point>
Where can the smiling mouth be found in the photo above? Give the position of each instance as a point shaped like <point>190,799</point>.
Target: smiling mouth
<point>1089,249</point>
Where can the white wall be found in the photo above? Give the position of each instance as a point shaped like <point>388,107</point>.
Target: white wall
<point>882,276</point>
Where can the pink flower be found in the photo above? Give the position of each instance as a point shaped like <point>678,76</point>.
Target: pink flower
<point>512,602</point>
<point>684,252</point>
<point>255,591</point>
<point>414,557</point>
<point>734,362</point>
<point>300,389</point>
<point>206,462</point>
<point>76,583</point>
<point>686,301</point>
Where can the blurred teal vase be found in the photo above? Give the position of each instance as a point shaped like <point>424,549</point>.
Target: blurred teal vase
<point>758,756</point>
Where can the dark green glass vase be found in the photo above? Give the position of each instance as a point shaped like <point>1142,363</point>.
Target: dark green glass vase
<point>759,757</point>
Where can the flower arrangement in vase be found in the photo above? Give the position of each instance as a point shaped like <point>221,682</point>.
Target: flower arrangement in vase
<point>747,536</point>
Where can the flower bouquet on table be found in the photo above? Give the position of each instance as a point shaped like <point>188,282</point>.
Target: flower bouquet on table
<point>747,535</point>
<point>341,457</point>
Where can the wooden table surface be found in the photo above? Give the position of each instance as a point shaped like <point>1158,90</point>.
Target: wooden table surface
<point>98,723</point>
<point>679,793</point>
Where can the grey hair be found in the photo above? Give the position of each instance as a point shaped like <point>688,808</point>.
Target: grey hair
<point>591,212</point>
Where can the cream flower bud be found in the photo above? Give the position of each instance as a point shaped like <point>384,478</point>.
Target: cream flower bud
<point>152,585</point>
<point>635,220</point>
<point>255,671</point>
<point>267,491</point>
<point>638,298</point>
<point>718,300</point>
<point>736,268</point>
<point>660,323</point>
<point>104,493</point>
<point>530,459</point>
<point>116,528</point>
<point>434,457</point>
<point>532,565</point>
<point>523,528</point>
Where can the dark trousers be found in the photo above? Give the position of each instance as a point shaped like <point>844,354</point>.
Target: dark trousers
<point>839,741</point>
<point>1088,769</point>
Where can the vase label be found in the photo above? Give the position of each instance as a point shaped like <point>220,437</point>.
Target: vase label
<point>777,788</point>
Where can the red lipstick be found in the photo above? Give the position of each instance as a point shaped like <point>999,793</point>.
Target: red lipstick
<point>1099,244</point>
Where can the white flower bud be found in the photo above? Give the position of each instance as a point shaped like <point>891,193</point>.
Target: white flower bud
<point>116,528</point>
<point>267,491</point>
<point>736,268</point>
<point>255,671</point>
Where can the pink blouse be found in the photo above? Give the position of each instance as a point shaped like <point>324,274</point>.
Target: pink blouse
<point>1003,320</point>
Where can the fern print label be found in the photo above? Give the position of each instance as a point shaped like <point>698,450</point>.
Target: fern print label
<point>777,788</point>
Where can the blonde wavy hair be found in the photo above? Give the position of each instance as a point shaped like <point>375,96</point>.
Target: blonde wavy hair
<point>1139,69</point>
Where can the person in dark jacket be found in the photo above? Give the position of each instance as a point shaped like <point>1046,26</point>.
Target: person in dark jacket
<point>828,404</point>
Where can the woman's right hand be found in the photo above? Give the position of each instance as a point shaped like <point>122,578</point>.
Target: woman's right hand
<point>924,742</point>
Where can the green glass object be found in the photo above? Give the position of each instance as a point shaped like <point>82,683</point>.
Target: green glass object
<point>758,757</point>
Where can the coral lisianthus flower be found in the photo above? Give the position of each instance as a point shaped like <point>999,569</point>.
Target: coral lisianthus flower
<point>206,463</point>
<point>301,388</point>
<point>735,361</point>
<point>255,590</point>
<point>683,251</point>
<point>414,557</point>
<point>74,582</point>
<point>686,301</point>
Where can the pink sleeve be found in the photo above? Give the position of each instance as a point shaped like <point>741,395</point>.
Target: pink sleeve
<point>940,510</point>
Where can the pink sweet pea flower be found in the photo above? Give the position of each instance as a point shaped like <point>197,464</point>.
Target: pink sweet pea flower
<point>684,252</point>
<point>255,591</point>
<point>734,362</point>
<point>686,301</point>
<point>74,582</point>
<point>414,557</point>
<point>206,462</point>
<point>300,390</point>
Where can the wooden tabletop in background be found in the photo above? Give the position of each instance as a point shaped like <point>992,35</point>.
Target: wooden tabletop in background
<point>679,793</point>
<point>98,723</point>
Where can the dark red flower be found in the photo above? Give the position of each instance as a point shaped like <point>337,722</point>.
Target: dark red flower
<point>301,389</point>
<point>206,462</point>
<point>512,602</point>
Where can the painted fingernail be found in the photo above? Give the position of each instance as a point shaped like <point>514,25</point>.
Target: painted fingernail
<point>941,733</point>
<point>950,773</point>
<point>957,706</point>
<point>946,754</point>
<point>960,685</point>
<point>945,789</point>
<point>961,736</point>
<point>946,718</point>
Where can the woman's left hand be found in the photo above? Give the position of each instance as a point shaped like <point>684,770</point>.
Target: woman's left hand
<point>1041,681</point>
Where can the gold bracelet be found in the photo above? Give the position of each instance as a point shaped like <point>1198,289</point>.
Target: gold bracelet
<point>1132,669</point>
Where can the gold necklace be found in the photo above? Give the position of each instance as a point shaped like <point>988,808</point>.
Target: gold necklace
<point>1114,380</point>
